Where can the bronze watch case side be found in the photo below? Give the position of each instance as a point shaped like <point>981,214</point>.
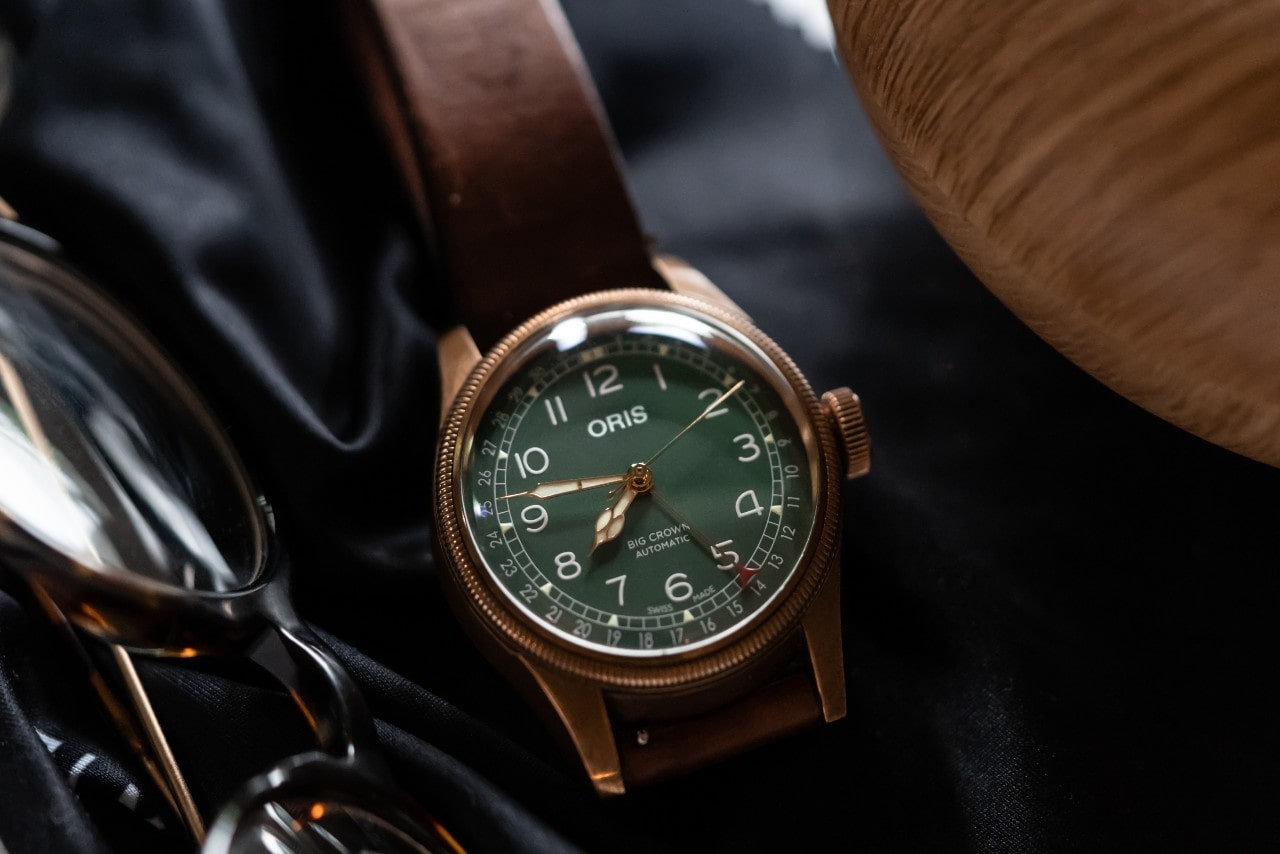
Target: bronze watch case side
<point>580,694</point>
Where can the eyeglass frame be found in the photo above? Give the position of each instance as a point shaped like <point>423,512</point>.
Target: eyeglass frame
<point>258,620</point>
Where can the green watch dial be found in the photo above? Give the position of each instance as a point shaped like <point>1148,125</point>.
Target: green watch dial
<point>641,482</point>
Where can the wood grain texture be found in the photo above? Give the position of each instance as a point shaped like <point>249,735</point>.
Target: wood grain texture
<point>1111,171</point>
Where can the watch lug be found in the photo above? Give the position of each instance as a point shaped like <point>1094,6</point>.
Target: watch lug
<point>686,280</point>
<point>826,651</point>
<point>458,355</point>
<point>581,711</point>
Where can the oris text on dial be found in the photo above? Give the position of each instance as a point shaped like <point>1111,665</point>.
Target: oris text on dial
<point>615,421</point>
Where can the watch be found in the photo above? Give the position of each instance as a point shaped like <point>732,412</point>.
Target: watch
<point>637,492</point>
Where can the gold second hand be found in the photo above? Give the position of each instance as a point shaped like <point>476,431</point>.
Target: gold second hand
<point>719,400</point>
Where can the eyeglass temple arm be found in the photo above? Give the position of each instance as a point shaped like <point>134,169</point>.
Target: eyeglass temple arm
<point>152,746</point>
<point>323,689</point>
<point>136,721</point>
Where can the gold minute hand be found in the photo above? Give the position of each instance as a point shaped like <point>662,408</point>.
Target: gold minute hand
<point>719,400</point>
<point>552,488</point>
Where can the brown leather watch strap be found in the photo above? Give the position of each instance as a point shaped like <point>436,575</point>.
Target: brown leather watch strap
<point>505,150</point>
<point>652,752</point>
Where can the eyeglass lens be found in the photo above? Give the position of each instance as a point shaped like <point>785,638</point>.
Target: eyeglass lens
<point>103,458</point>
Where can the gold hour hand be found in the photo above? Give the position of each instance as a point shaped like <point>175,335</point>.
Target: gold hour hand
<point>552,488</point>
<point>637,481</point>
<point>609,523</point>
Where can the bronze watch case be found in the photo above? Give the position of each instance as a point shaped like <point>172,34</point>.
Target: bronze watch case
<point>568,685</point>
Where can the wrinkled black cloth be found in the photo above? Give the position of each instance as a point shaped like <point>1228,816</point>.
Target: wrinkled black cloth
<point>1059,609</point>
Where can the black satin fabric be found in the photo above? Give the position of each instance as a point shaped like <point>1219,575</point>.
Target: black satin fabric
<point>1059,610</point>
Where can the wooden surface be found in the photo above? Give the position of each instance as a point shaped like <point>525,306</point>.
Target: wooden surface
<point>1111,170</point>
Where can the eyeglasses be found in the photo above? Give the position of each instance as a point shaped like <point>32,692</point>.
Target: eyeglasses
<point>125,506</point>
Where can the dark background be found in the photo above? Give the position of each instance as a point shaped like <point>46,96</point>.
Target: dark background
<point>1059,610</point>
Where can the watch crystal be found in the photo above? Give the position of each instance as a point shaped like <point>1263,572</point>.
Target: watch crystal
<point>638,484</point>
